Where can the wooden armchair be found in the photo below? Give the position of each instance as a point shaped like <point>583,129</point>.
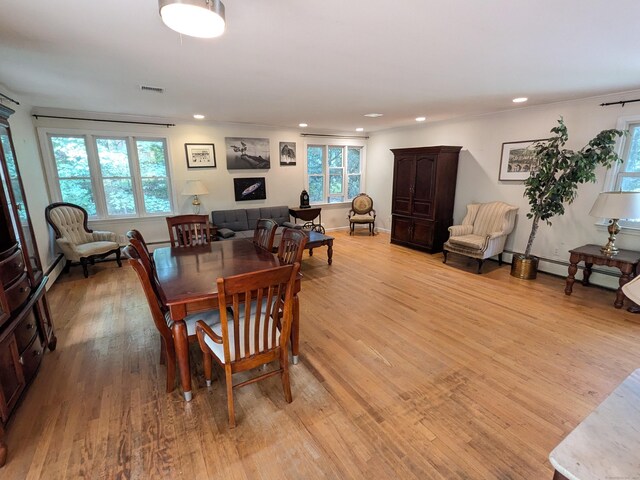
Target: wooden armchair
<point>189,230</point>
<point>253,332</point>
<point>483,232</point>
<point>76,240</point>
<point>362,213</point>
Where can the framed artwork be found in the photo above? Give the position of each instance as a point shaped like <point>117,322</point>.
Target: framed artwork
<point>200,155</point>
<point>517,160</point>
<point>250,188</point>
<point>248,153</point>
<point>287,153</point>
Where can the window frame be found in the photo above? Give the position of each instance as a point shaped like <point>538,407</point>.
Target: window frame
<point>90,137</point>
<point>345,144</point>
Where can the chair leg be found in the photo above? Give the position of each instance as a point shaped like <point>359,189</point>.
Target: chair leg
<point>83,261</point>
<point>118,257</point>
<point>206,360</point>
<point>170,354</point>
<point>67,266</point>
<point>163,352</point>
<point>480,262</point>
<point>286,386</point>
<point>229,381</point>
<point>500,259</point>
<point>444,252</point>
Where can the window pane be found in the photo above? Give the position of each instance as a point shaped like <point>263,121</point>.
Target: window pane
<point>335,157</point>
<point>156,195</point>
<point>70,154</point>
<point>335,180</point>
<point>80,192</point>
<point>353,160</point>
<point>119,196</point>
<point>353,188</point>
<point>336,199</point>
<point>314,160</point>
<point>630,184</point>
<point>114,158</point>
<point>632,163</point>
<point>152,156</point>
<point>316,189</point>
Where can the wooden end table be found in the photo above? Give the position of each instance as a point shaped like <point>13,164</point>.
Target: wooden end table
<point>626,261</point>
<point>308,215</point>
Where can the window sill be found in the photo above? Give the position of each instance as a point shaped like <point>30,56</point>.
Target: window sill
<point>132,218</point>
<point>335,204</point>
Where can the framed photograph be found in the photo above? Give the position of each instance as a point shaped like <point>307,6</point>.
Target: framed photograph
<point>287,153</point>
<point>200,155</point>
<point>248,153</point>
<point>517,160</point>
<point>250,188</point>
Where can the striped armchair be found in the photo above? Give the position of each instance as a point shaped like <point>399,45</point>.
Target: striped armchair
<point>483,232</point>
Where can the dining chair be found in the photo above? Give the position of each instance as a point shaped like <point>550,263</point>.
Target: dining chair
<point>189,230</point>
<point>137,237</point>
<point>291,246</point>
<point>160,312</point>
<point>252,333</point>
<point>264,233</point>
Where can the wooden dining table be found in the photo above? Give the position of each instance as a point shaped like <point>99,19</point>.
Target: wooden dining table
<point>188,278</point>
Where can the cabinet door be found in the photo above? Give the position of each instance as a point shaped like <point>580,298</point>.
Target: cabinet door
<point>4,306</point>
<point>425,186</point>
<point>401,229</point>
<point>11,376</point>
<point>423,233</point>
<point>403,175</point>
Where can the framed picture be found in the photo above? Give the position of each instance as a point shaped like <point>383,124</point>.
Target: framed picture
<point>200,155</point>
<point>287,153</point>
<point>248,153</point>
<point>250,188</point>
<point>517,160</point>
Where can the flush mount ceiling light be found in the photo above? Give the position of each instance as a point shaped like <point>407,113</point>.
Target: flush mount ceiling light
<point>420,119</point>
<point>359,129</point>
<point>198,116</point>
<point>302,125</point>
<point>520,100</point>
<point>196,18</point>
<point>373,115</point>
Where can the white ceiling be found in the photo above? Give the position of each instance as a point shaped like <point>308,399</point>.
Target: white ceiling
<point>323,62</point>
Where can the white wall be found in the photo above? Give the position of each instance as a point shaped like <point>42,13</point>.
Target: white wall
<point>481,139</point>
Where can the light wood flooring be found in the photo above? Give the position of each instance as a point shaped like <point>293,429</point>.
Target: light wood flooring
<point>410,369</point>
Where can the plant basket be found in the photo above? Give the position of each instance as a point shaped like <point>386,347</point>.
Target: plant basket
<point>523,267</point>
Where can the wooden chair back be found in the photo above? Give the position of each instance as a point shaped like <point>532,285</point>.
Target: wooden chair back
<point>140,246</point>
<point>189,230</point>
<point>137,240</point>
<point>291,246</point>
<point>264,233</point>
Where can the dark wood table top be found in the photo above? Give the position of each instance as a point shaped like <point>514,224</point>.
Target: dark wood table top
<point>187,274</point>
<point>306,214</point>
<point>625,256</point>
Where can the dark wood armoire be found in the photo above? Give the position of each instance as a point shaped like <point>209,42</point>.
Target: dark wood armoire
<point>424,190</point>
<point>26,328</point>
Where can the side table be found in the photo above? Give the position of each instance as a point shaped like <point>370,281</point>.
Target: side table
<point>626,261</point>
<point>308,215</point>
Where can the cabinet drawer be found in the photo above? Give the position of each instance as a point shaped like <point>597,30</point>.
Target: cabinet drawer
<point>11,267</point>
<point>31,359</point>
<point>26,330</point>
<point>18,293</point>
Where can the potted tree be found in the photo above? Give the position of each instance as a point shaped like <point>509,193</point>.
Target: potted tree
<point>555,182</point>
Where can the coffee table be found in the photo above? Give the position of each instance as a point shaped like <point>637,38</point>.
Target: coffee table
<point>314,240</point>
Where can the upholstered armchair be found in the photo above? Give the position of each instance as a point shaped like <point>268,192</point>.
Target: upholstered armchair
<point>362,213</point>
<point>77,242</point>
<point>483,232</point>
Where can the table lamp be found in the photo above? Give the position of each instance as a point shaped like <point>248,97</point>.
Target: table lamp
<point>615,206</point>
<point>195,188</point>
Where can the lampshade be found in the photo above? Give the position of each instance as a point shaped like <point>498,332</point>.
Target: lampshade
<point>194,187</point>
<point>196,18</point>
<point>620,205</point>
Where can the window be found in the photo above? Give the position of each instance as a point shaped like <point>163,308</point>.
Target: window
<point>110,176</point>
<point>628,175</point>
<point>334,172</point>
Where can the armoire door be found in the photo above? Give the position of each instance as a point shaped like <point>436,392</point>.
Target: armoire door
<point>403,181</point>
<point>425,186</point>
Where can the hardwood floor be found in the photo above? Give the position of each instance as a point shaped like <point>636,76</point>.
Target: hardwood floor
<point>410,369</point>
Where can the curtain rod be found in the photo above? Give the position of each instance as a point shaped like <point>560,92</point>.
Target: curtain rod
<point>109,121</point>
<point>621,102</point>
<point>332,136</point>
<point>9,98</point>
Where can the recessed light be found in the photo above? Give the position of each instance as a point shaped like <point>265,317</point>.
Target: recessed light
<point>359,129</point>
<point>198,116</point>
<point>520,99</point>
<point>373,115</point>
<point>302,125</point>
<point>420,119</point>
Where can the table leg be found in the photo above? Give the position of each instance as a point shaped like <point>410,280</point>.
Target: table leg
<point>571,278</point>
<point>311,252</point>
<point>330,252</point>
<point>586,274</point>
<point>624,278</point>
<point>181,343</point>
<point>295,330</point>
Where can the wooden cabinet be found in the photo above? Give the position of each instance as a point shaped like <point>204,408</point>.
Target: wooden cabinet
<point>26,327</point>
<point>424,189</point>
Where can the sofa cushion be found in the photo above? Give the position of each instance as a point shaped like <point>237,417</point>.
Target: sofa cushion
<point>226,232</point>
<point>232,219</point>
<point>280,213</point>
<point>253,215</point>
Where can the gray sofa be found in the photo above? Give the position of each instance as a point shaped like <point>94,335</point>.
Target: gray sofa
<point>241,223</point>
